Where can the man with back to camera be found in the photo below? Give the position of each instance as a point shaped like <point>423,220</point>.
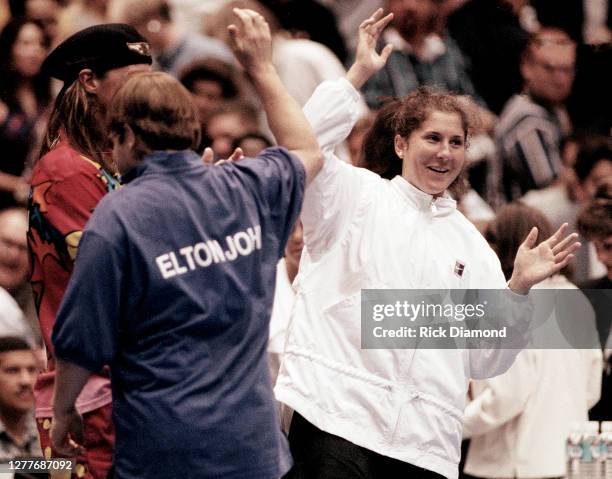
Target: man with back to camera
<point>180,302</point>
<point>68,181</point>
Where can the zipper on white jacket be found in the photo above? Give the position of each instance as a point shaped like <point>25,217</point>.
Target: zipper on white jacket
<point>434,208</point>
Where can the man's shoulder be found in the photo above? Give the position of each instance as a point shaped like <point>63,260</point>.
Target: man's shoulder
<point>277,154</point>
<point>519,109</point>
<point>63,161</point>
<point>522,105</point>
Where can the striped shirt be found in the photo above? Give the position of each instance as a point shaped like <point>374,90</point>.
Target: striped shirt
<point>529,138</point>
<point>442,65</point>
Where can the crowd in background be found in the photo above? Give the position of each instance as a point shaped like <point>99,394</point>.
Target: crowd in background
<point>538,72</point>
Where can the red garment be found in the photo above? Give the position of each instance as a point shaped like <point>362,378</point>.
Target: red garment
<point>96,458</point>
<point>66,186</point>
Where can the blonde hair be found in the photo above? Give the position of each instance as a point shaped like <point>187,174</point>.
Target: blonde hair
<point>159,111</point>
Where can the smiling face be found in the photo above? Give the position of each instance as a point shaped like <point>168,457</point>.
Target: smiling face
<point>549,67</point>
<point>434,154</point>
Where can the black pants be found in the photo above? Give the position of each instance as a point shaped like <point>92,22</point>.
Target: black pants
<point>320,455</point>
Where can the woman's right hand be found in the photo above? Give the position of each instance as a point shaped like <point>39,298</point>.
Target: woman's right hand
<point>251,40</point>
<point>367,60</point>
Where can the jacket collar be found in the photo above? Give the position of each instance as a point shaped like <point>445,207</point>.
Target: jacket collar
<point>163,162</point>
<point>422,201</point>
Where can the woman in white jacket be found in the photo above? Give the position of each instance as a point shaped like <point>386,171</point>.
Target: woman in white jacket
<point>518,422</point>
<point>388,412</point>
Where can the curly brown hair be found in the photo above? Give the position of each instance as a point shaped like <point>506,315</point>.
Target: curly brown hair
<point>403,116</point>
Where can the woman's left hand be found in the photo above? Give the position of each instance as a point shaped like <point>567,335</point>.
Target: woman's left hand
<point>536,263</point>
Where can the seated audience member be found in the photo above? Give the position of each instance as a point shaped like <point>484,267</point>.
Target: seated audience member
<point>11,318</point>
<point>534,124</point>
<point>518,422</point>
<point>14,265</point>
<point>302,64</point>
<point>18,369</point>
<point>211,83</point>
<point>172,48</point>
<point>419,57</point>
<point>185,328</point>
<point>81,14</point>
<point>587,159</point>
<point>228,123</point>
<point>313,20</point>
<point>252,144</point>
<point>24,96</point>
<point>595,223</point>
<point>489,33</point>
<point>47,12</point>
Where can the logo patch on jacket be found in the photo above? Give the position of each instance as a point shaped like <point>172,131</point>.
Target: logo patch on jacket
<point>459,268</point>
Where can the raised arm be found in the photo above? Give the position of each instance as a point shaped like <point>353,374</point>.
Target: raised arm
<point>367,60</point>
<point>252,45</point>
<point>333,108</point>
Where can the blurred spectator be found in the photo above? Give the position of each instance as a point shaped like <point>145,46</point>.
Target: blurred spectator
<point>301,64</point>
<point>11,318</point>
<point>230,122</point>
<point>533,125</point>
<point>24,95</point>
<point>211,83</point>
<point>81,14</point>
<point>587,160</point>
<point>15,268</point>
<point>252,144</point>
<point>44,11</point>
<point>350,13</point>
<point>420,56</point>
<point>310,19</point>
<point>173,48</point>
<point>594,28</point>
<point>18,434</point>
<point>518,422</point>
<point>490,35</point>
<point>595,223</point>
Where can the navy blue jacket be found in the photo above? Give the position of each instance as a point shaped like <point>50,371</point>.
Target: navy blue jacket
<point>173,287</point>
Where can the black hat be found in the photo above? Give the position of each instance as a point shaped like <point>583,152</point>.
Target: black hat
<point>101,48</point>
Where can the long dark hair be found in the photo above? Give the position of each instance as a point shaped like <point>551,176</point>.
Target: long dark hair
<point>9,77</point>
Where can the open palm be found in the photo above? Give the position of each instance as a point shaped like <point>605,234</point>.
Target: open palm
<point>534,263</point>
<point>367,60</point>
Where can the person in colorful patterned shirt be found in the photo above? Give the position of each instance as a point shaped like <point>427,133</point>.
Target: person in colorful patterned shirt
<point>71,177</point>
